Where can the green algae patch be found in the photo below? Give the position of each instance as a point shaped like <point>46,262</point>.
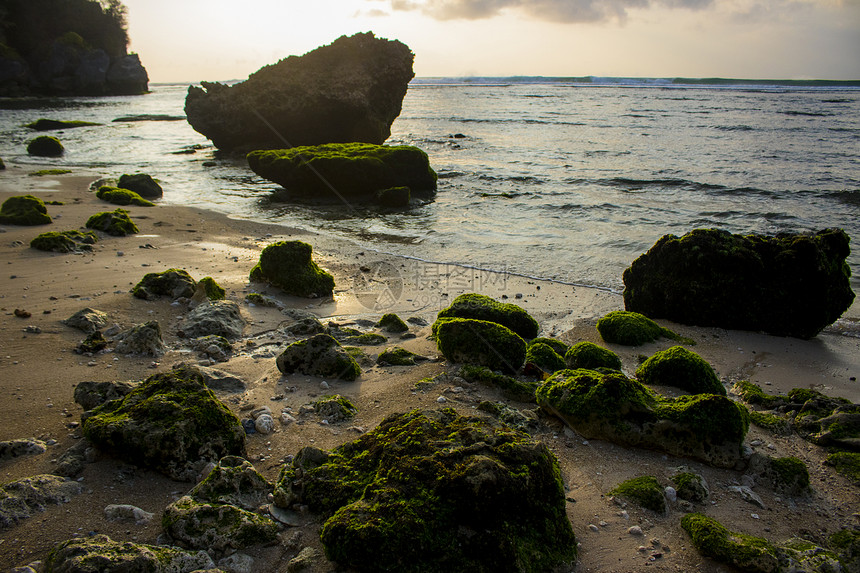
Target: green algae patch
<point>481,343</point>
<point>212,289</point>
<point>142,184</point>
<point>346,170</point>
<point>72,241</point>
<point>608,405</point>
<point>25,210</point>
<point>288,265</point>
<point>46,172</point>
<point>682,369</point>
<point>43,124</point>
<point>787,285</point>
<point>512,388</point>
<point>45,146</point>
<point>846,464</point>
<point>392,323</point>
<point>119,196</point>
<point>644,491</point>
<point>432,491</point>
<point>544,358</point>
<point>171,423</point>
<point>746,552</point>
<point>320,355</point>
<point>633,329</point>
<point>116,223</point>
<point>173,283</point>
<point>481,307</point>
<point>100,554</point>
<point>591,356</point>
<point>397,356</point>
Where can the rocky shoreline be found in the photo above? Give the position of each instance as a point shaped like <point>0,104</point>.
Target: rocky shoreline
<point>45,378</point>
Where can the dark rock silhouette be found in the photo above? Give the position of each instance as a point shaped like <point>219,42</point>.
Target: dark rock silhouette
<point>350,90</point>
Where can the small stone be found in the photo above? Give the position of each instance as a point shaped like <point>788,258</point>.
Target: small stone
<point>264,424</point>
<point>286,419</point>
<point>754,515</point>
<point>593,527</point>
<point>324,385</point>
<point>636,530</point>
<point>441,399</point>
<point>671,494</point>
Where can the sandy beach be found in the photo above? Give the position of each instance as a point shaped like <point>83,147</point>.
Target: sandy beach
<point>39,370</point>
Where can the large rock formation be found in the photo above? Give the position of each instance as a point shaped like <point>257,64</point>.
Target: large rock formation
<point>350,90</point>
<point>788,285</point>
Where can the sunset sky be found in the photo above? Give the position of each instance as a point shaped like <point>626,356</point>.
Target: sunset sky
<point>195,40</point>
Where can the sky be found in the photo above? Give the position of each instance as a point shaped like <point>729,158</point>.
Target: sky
<point>217,40</point>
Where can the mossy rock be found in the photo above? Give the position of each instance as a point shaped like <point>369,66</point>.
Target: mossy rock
<point>258,299</point>
<point>171,423</point>
<point>142,184</point>
<point>43,124</point>
<point>632,329</point>
<point>116,223</point>
<point>682,369</point>
<point>523,420</point>
<point>234,481</point>
<point>481,343</point>
<point>119,196</point>
<point>431,491</point>
<point>211,289</point>
<point>847,544</point>
<point>24,210</point>
<point>346,170</point>
<point>752,393</point>
<point>591,356</point>
<point>100,554</point>
<point>608,405</point>
<point>142,339</point>
<point>288,265</point>
<point>45,146</point>
<point>87,319</point>
<point>644,491</point>
<point>511,388</point>
<point>746,552</point>
<point>72,241</point>
<point>335,408</point>
<point>93,343</point>
<point>354,336</point>
<point>397,356</point>
<point>173,283</point>
<point>394,197</point>
<point>691,486</point>
<point>320,355</point>
<point>788,285</point>
<point>846,464</point>
<point>560,347</point>
<point>47,172</point>
<point>481,307</point>
<point>392,323</point>
<point>544,358</point>
<point>774,423</point>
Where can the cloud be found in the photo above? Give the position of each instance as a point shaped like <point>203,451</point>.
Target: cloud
<point>373,13</point>
<point>550,10</point>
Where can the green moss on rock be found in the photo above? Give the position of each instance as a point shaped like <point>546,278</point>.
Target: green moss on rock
<point>560,347</point>
<point>100,554</point>
<point>544,358</point>
<point>481,307</point>
<point>691,486</point>
<point>511,387</point>
<point>752,393</point>
<point>591,356</point>
<point>142,184</point>
<point>771,422</point>
<point>288,265</point>
<point>481,343</point>
<point>644,491</point>
<point>171,422</point>
<point>46,172</point>
<point>394,197</point>
<point>320,355</point>
<point>43,124</point>
<point>24,210</point>
<point>212,289</point>
<point>335,408</point>
<point>72,241</point>
<point>116,223</point>
<point>435,492</point>
<point>45,146</point>
<point>173,283</point>
<point>392,323</point>
<point>351,170</point>
<point>397,356</point>
<point>847,464</point>
<point>632,329</point>
<point>119,196</point>
<point>682,369</point>
<point>746,552</point>
<point>788,285</point>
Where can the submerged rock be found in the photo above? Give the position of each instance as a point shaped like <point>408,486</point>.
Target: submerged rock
<point>320,355</point>
<point>214,318</point>
<point>24,210</point>
<point>480,343</point>
<point>481,307</point>
<point>613,407</point>
<point>174,283</point>
<point>72,241</point>
<point>100,554</point>
<point>351,90</point>
<point>434,491</point>
<point>345,170</point>
<point>45,146</point>
<point>171,423</point>
<point>788,285</point>
<point>43,124</point>
<point>116,223</point>
<point>22,498</point>
<point>142,184</point>
<point>288,265</point>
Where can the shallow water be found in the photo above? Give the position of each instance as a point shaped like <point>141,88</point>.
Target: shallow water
<point>555,180</point>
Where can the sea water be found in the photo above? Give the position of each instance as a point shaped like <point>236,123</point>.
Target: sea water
<point>562,180</point>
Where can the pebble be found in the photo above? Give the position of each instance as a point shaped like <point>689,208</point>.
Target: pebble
<point>441,399</point>
<point>593,527</point>
<point>120,254</point>
<point>257,412</point>
<point>264,424</point>
<point>324,385</point>
<point>671,494</point>
<point>754,515</point>
<point>287,419</point>
<point>635,530</point>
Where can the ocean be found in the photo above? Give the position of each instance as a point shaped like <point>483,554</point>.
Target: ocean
<point>561,179</point>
